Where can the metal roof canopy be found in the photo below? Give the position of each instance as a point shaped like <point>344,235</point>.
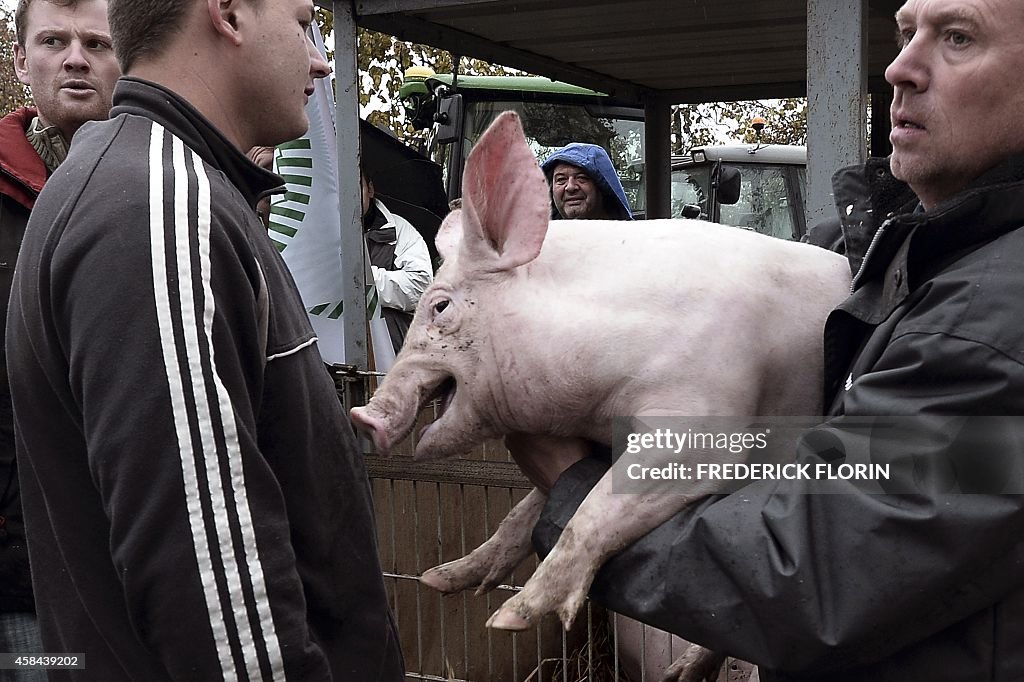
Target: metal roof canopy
<point>658,53</point>
<point>684,50</point>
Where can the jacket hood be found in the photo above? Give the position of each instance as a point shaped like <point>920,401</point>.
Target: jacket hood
<point>868,196</point>
<point>594,160</point>
<point>22,172</point>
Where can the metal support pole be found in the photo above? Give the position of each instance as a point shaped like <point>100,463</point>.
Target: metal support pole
<point>353,265</point>
<point>836,97</point>
<point>658,156</point>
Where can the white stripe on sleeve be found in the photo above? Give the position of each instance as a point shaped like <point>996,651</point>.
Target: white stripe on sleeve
<point>213,421</point>
<point>179,406</point>
<point>234,450</point>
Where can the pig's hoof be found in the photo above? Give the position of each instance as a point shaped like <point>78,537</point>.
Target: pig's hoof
<point>697,664</point>
<point>454,576</point>
<point>463,574</point>
<point>530,605</point>
<point>439,579</point>
<point>505,619</point>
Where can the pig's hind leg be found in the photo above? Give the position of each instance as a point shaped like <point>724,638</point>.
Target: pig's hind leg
<point>486,566</point>
<point>697,664</point>
<point>603,525</point>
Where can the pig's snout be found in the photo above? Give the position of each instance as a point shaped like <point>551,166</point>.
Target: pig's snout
<point>372,426</point>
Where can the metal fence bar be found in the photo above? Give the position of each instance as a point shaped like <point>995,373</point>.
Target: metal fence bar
<point>615,639</point>
<point>487,600</point>
<point>465,598</point>
<point>643,654</point>
<point>565,653</point>
<point>395,601</point>
<point>419,570</point>
<point>515,635</point>
<point>590,640</point>
<point>440,604</point>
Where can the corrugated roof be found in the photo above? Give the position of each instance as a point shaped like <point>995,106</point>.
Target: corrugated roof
<point>687,50</point>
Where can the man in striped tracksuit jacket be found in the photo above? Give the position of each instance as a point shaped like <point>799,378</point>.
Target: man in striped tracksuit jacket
<point>196,504</point>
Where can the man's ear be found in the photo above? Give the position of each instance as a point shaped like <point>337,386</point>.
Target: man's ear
<point>21,64</point>
<point>224,17</point>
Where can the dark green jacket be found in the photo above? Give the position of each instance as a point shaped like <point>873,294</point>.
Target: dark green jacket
<point>823,581</point>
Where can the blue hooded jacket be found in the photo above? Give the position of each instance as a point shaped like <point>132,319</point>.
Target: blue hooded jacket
<point>594,160</point>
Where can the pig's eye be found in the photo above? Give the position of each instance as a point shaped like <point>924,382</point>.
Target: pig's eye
<point>441,305</point>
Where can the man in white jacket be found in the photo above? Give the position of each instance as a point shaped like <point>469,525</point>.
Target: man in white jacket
<point>399,261</point>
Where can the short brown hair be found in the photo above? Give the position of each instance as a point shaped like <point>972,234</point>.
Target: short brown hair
<point>21,14</point>
<point>141,28</point>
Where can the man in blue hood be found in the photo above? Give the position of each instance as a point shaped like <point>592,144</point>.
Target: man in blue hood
<point>584,184</point>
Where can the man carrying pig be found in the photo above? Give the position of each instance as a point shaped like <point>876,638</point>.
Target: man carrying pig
<point>854,586</point>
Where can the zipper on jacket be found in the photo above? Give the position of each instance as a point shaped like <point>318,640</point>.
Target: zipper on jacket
<point>867,254</point>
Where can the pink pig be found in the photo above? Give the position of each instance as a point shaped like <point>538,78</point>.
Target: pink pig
<point>554,329</point>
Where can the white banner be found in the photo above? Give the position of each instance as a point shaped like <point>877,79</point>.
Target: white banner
<point>304,226</point>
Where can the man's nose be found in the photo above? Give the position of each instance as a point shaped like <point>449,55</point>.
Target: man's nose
<point>318,66</point>
<point>76,59</point>
<point>910,68</point>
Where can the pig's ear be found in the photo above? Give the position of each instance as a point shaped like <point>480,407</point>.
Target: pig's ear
<point>449,235</point>
<point>505,204</point>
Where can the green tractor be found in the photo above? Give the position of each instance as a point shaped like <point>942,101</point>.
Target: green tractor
<point>758,187</point>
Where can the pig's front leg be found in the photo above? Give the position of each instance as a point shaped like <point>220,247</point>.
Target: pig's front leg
<point>486,566</point>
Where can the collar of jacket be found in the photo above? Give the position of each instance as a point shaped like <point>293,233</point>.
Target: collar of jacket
<point>48,142</point>
<point>895,247</point>
<point>379,225</point>
<point>153,101</point>
<point>22,172</point>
